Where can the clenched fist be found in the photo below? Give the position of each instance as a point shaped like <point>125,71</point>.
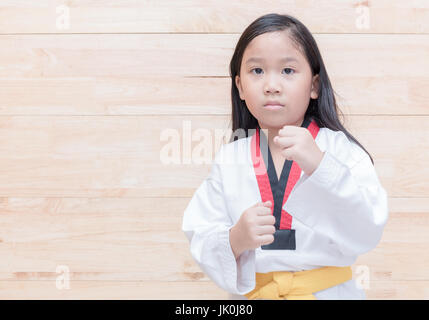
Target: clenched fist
<point>298,144</point>
<point>254,228</point>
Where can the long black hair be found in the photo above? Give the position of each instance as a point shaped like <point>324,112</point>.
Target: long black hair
<point>323,110</point>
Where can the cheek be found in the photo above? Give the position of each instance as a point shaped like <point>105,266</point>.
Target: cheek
<point>300,89</point>
<point>251,90</point>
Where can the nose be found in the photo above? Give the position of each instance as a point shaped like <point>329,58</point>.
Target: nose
<point>272,85</point>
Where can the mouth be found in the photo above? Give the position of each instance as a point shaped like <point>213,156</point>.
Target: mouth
<point>273,106</point>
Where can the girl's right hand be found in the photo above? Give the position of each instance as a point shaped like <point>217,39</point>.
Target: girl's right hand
<point>254,228</point>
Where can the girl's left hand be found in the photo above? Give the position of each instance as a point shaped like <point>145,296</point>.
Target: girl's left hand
<point>297,144</point>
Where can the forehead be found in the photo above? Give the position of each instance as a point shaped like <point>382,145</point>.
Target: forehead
<point>273,46</point>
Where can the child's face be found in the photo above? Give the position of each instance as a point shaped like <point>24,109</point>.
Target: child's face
<point>288,82</point>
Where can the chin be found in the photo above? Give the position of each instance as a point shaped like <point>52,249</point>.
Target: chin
<point>271,124</point>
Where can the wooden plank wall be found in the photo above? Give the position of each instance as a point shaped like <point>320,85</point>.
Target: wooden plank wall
<point>87,87</point>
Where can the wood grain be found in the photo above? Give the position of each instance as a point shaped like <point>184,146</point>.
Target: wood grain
<point>124,156</point>
<point>118,239</point>
<point>165,290</point>
<point>83,110</point>
<point>91,16</point>
<point>133,74</point>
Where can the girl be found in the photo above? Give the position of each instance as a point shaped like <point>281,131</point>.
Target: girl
<point>284,213</point>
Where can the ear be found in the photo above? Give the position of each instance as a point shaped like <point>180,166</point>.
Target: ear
<point>314,94</point>
<point>238,84</point>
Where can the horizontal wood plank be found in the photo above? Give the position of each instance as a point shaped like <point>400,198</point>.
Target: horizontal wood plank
<point>141,240</point>
<point>129,290</point>
<point>188,73</point>
<point>124,156</point>
<point>127,16</point>
<point>186,290</point>
<point>196,55</point>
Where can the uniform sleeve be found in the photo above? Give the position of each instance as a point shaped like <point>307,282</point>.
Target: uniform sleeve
<point>206,224</point>
<point>348,205</point>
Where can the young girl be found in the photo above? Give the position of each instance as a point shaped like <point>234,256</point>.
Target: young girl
<point>284,213</point>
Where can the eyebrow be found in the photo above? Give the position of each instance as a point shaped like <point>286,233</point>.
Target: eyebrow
<point>286,59</point>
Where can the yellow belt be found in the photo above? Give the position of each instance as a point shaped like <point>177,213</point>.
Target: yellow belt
<point>301,285</point>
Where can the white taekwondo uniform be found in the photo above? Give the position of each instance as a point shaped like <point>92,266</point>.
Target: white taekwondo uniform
<point>328,218</point>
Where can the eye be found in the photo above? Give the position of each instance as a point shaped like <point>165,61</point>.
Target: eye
<point>290,71</point>
<point>256,69</point>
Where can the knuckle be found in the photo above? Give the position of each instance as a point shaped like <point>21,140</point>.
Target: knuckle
<point>264,211</point>
<point>249,219</point>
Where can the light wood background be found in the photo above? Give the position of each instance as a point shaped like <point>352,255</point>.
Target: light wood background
<point>82,111</point>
